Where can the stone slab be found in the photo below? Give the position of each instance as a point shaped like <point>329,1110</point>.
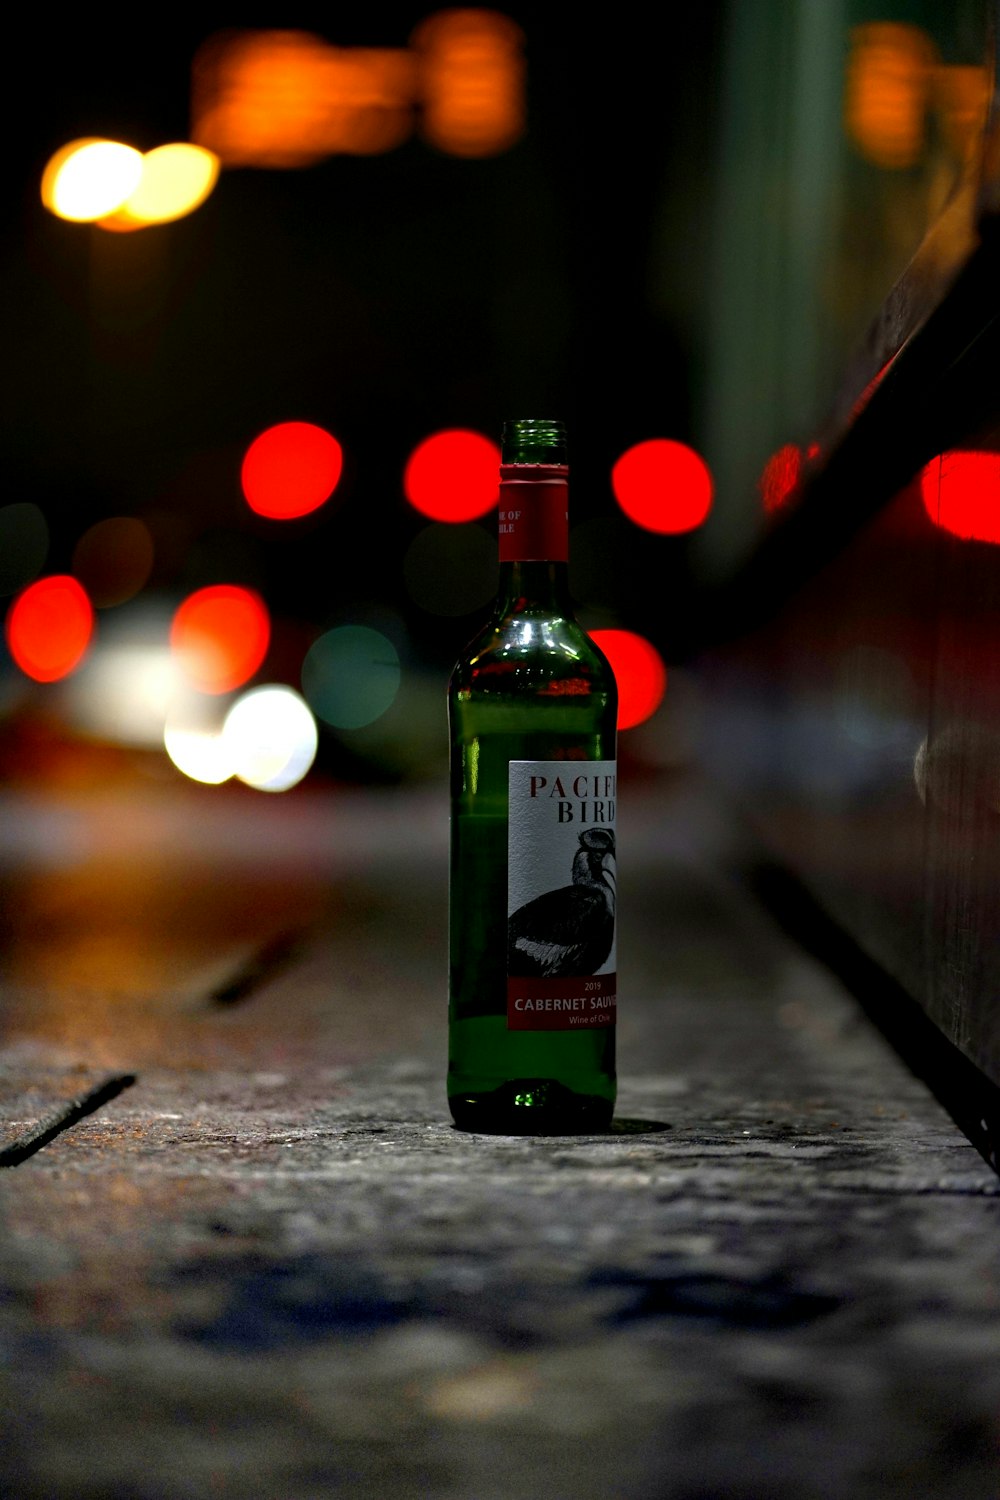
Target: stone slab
<point>272,1268</point>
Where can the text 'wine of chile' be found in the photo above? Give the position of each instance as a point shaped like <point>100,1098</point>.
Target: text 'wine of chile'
<point>533,716</point>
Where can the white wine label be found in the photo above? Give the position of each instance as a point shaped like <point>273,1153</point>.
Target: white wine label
<point>561,871</point>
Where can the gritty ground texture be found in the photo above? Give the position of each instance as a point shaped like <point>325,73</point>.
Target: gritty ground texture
<point>244,1254</point>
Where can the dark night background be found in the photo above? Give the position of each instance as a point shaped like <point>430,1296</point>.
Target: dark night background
<point>636,264</point>
<point>383,297</point>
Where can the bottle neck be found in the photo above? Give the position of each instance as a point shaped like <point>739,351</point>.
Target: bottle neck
<point>534,584</point>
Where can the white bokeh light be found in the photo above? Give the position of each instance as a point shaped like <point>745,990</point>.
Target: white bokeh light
<point>123,691</point>
<point>199,754</point>
<point>90,178</point>
<point>175,180</point>
<point>270,738</point>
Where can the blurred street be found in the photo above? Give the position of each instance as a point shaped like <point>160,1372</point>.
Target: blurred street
<point>267,1265</point>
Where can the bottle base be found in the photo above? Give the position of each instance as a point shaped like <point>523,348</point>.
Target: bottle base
<point>532,1106</point>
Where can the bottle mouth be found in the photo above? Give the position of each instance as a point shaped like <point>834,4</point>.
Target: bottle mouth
<point>533,440</point>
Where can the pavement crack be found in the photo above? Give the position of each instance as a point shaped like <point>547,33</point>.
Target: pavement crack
<point>59,1120</point>
<point>262,965</point>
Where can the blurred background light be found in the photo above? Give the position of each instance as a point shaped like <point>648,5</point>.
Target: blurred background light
<point>175,180</point>
<point>887,91</point>
<point>780,476</point>
<point>284,98</point>
<point>199,754</point>
<point>451,569</point>
<point>961,494</point>
<point>471,81</point>
<point>122,693</point>
<point>192,737</point>
<point>962,94</point>
<point>130,678</point>
<point>24,544</point>
<point>405,741</point>
<point>113,560</point>
<point>351,675</point>
<point>90,178</point>
<point>290,470</point>
<point>220,635</point>
<point>453,475</point>
<point>639,672</point>
<point>663,486</point>
<point>49,627</point>
<point>270,738</point>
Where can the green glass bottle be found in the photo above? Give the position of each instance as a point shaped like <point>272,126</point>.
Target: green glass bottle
<point>533,717</point>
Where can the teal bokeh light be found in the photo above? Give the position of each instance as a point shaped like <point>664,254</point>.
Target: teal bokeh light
<point>350,676</point>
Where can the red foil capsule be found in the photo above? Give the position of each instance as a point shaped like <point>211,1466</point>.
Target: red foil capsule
<point>534,513</point>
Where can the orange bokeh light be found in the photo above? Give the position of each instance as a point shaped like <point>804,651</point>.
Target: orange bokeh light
<point>471,69</point>
<point>89,178</point>
<point>663,486</point>
<point>220,636</point>
<point>887,92</point>
<point>453,475</point>
<point>49,627</point>
<point>639,672</point>
<point>290,470</point>
<point>283,98</point>
<point>961,494</point>
<point>962,94</point>
<point>176,179</point>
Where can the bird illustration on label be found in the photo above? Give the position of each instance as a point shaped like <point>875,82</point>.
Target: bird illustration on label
<point>570,930</point>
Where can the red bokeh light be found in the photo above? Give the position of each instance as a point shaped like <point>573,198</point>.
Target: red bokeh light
<point>220,636</point>
<point>663,486</point>
<point>453,475</point>
<point>49,627</point>
<point>961,494</point>
<point>639,672</point>
<point>290,470</point>
<point>780,477</point>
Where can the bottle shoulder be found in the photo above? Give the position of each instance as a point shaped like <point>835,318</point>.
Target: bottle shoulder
<point>515,652</point>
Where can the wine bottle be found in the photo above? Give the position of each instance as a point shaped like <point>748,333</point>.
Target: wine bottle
<point>533,717</point>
